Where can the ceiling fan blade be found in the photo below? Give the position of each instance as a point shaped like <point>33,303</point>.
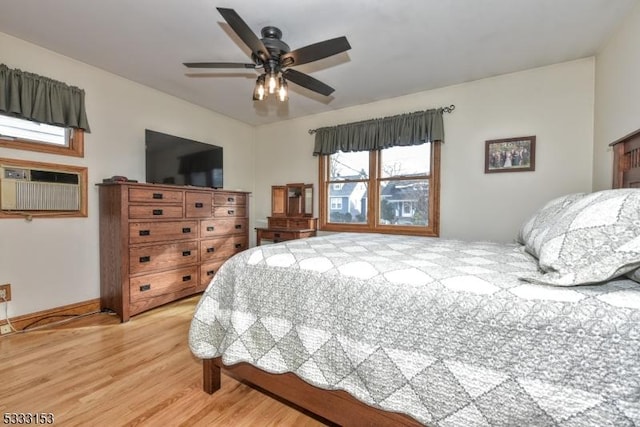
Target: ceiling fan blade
<point>307,81</point>
<point>244,32</point>
<point>218,65</point>
<point>315,51</point>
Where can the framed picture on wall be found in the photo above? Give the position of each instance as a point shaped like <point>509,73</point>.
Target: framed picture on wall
<point>510,154</point>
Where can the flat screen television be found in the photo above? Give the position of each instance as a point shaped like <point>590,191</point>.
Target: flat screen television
<point>180,161</point>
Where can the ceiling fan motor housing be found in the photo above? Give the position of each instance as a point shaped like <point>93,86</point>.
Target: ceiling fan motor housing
<point>271,38</point>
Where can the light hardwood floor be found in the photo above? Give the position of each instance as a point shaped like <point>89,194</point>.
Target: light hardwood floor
<point>96,371</point>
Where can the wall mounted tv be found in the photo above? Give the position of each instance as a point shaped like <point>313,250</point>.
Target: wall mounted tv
<point>179,161</point>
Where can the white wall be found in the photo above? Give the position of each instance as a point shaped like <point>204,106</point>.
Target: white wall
<point>55,262</point>
<point>617,102</point>
<point>553,103</point>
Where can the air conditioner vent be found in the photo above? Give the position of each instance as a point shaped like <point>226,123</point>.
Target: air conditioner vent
<point>34,190</point>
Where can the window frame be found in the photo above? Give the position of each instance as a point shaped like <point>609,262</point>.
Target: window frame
<point>74,149</point>
<point>432,229</point>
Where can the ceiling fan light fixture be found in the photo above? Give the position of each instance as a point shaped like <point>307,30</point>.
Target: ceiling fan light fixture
<point>283,93</point>
<point>259,92</point>
<point>273,82</point>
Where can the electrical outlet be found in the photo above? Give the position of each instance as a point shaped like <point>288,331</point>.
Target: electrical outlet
<point>5,292</point>
<point>5,329</point>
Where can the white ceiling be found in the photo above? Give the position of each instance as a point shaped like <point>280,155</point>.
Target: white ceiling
<point>398,47</point>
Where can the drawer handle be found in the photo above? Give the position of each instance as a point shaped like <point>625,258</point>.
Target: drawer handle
<point>238,226</point>
<point>145,287</point>
<point>199,205</point>
<point>186,230</point>
<point>230,211</point>
<point>230,199</point>
<point>238,245</point>
<point>210,228</point>
<point>145,259</point>
<point>186,253</point>
<point>186,278</point>
<point>211,272</point>
<point>209,250</point>
<point>157,196</point>
<point>145,233</point>
<point>157,211</point>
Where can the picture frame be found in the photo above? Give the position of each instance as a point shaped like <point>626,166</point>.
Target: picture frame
<point>510,155</point>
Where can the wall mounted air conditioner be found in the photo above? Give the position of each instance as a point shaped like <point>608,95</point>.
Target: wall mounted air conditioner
<point>28,189</point>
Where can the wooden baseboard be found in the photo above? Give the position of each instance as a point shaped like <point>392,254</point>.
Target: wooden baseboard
<point>53,315</point>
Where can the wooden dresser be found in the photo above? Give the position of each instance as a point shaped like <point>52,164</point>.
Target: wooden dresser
<point>159,243</point>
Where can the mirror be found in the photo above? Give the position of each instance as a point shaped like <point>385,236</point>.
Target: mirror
<point>294,199</point>
<point>308,200</point>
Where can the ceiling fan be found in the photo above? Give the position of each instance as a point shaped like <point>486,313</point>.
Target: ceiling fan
<point>273,56</point>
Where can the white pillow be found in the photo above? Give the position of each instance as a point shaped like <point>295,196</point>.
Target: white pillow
<point>595,239</point>
<point>534,230</point>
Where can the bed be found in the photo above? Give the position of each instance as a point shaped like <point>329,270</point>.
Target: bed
<point>370,329</point>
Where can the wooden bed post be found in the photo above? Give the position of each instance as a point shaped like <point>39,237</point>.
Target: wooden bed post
<point>618,166</point>
<point>210,376</point>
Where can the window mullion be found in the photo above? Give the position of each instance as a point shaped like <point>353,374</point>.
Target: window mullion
<point>372,203</point>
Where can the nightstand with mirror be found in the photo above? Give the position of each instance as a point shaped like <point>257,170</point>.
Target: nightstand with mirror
<point>291,214</point>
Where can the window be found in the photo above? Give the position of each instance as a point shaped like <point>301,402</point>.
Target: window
<point>394,190</point>
<point>28,135</point>
<point>336,203</point>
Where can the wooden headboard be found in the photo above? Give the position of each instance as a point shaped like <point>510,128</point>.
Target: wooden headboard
<point>626,161</point>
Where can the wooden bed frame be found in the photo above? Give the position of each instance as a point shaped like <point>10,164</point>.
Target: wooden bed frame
<point>626,161</point>
<point>335,406</point>
<point>340,407</point>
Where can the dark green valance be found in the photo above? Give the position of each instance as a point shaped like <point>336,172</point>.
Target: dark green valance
<point>404,129</point>
<point>33,97</point>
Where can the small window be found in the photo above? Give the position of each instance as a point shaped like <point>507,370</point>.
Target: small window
<point>29,135</point>
<point>336,203</point>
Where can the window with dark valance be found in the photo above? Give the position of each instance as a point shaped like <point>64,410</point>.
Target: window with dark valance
<point>33,97</point>
<point>405,129</point>
<point>382,175</point>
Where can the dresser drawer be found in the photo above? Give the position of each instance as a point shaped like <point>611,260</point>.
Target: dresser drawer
<point>161,257</point>
<point>148,232</point>
<point>207,271</point>
<point>153,285</point>
<point>154,195</point>
<point>276,236</point>
<point>277,222</point>
<point>222,248</point>
<point>221,227</point>
<point>302,223</point>
<point>229,211</point>
<point>197,204</point>
<point>230,199</point>
<point>155,211</point>
<point>282,235</point>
